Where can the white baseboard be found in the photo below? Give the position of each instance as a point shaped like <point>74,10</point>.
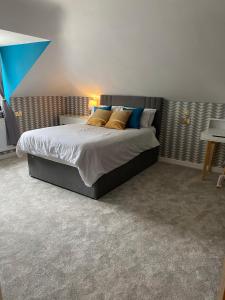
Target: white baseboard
<point>189,164</point>
<point>7,155</point>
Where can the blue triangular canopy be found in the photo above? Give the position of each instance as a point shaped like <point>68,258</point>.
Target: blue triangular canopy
<point>16,61</point>
<point>1,84</point>
<point>18,53</point>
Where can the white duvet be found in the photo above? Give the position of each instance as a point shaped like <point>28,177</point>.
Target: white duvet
<point>94,151</point>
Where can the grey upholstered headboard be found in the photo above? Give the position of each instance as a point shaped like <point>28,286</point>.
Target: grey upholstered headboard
<point>136,101</point>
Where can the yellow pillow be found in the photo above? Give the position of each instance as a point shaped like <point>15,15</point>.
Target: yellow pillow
<point>99,118</point>
<point>118,119</point>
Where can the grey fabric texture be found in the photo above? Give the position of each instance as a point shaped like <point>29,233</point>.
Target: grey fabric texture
<point>12,128</point>
<point>68,177</point>
<point>159,236</point>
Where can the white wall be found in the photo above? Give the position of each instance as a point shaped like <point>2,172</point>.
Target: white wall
<point>169,48</point>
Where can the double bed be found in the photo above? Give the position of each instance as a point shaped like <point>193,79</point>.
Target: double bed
<point>93,160</point>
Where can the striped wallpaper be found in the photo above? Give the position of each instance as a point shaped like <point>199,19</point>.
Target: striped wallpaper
<point>44,111</point>
<point>177,141</point>
<point>182,142</point>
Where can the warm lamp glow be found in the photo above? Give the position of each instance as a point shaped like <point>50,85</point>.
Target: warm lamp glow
<point>93,101</point>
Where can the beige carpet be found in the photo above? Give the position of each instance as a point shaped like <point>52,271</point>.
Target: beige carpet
<point>160,236</point>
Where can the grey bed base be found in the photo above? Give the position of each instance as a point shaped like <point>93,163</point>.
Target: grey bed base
<point>69,178</point>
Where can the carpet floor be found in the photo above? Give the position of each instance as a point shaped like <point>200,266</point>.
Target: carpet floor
<point>161,235</point>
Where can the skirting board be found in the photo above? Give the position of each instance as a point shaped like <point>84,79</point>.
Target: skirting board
<point>8,155</point>
<point>188,164</point>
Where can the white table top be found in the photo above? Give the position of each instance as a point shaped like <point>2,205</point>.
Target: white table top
<point>214,135</point>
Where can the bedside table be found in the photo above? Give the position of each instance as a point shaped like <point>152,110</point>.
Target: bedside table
<point>72,119</point>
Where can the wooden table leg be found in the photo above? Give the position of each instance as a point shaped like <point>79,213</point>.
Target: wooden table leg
<point>212,149</point>
<point>206,161</point>
<point>221,295</point>
<point>207,167</point>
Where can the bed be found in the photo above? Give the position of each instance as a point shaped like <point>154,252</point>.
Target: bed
<point>96,185</point>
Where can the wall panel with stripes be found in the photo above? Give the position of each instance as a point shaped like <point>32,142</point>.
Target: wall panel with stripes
<point>182,142</point>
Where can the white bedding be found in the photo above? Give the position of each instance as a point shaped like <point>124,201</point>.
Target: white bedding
<point>94,151</point>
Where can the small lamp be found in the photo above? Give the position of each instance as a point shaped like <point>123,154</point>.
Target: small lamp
<point>93,101</point>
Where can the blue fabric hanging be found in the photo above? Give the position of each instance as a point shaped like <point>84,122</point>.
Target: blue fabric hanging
<point>11,125</point>
<point>16,61</point>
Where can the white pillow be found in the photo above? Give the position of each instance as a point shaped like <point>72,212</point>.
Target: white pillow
<point>147,117</point>
<point>117,108</point>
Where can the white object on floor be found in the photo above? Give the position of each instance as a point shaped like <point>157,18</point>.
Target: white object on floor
<point>221,177</point>
<point>220,181</point>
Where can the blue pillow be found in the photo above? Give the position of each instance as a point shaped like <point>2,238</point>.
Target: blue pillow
<point>135,118</point>
<point>102,107</point>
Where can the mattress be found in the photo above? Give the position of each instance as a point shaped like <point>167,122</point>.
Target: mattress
<point>94,151</point>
